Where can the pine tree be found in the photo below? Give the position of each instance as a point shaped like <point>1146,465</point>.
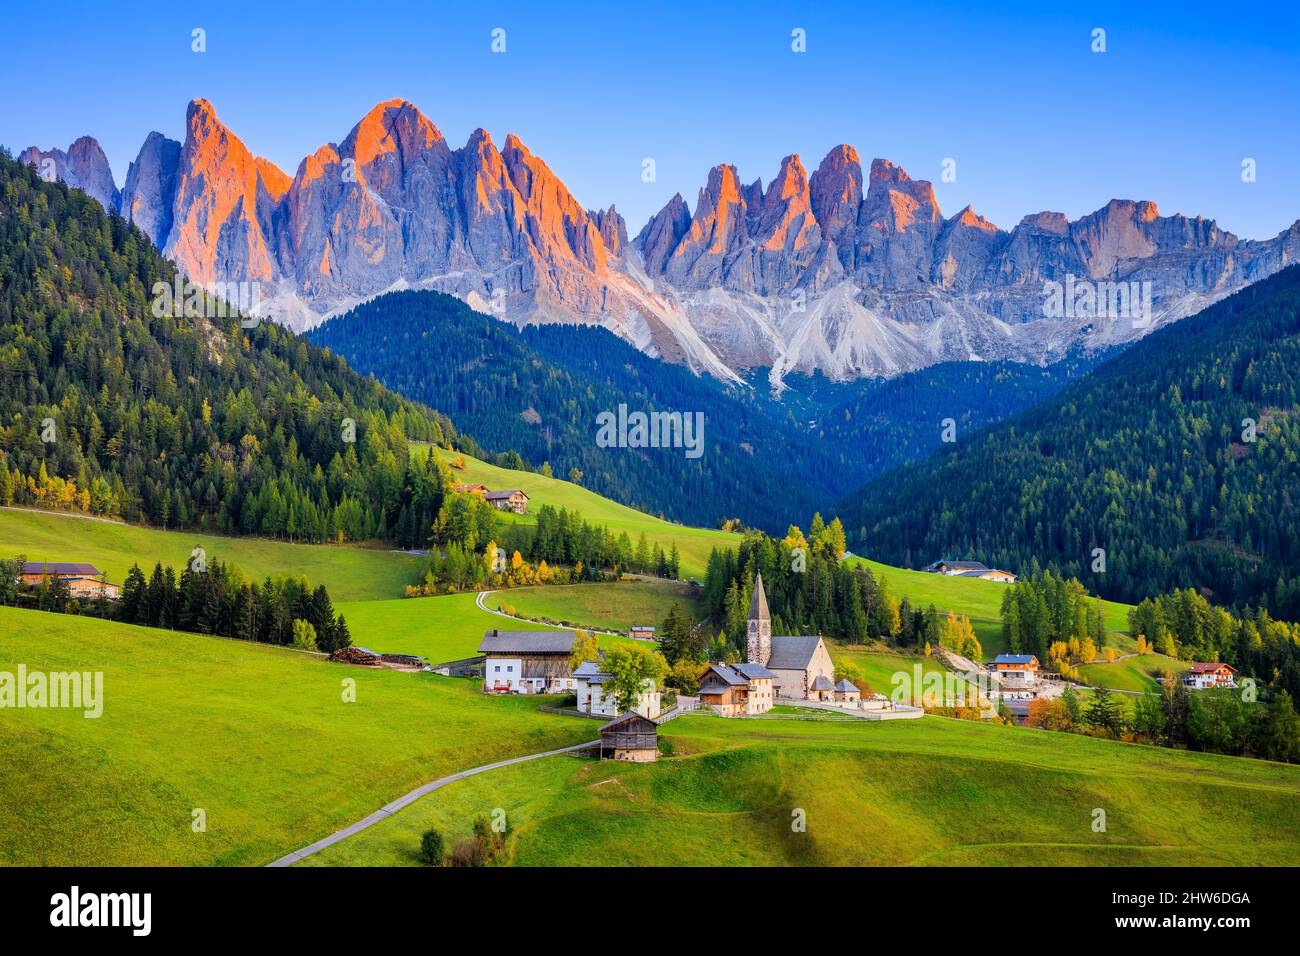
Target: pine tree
<point>133,595</point>
<point>1103,713</point>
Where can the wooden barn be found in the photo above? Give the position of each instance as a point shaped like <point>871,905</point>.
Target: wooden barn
<point>630,737</point>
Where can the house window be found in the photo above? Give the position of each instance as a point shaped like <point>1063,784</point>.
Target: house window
<point>497,668</point>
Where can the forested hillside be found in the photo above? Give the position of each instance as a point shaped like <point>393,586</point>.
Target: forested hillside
<point>181,422</point>
<point>1178,459</point>
<point>537,391</point>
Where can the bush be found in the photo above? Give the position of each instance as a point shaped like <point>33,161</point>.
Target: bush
<point>483,848</point>
<point>469,853</point>
<point>432,848</point>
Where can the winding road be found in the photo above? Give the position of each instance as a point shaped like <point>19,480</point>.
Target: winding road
<point>384,812</point>
<point>482,595</point>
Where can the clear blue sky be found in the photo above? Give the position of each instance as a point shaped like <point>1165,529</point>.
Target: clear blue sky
<point>1011,91</point>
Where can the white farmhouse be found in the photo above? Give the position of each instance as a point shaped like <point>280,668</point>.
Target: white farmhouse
<point>527,662</point>
<point>591,682</point>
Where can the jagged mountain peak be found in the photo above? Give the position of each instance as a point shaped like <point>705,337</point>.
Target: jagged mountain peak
<point>884,171</point>
<point>83,166</point>
<point>970,218</point>
<point>887,283</point>
<point>393,128</point>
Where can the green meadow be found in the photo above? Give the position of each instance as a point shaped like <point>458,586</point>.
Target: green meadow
<point>258,738</point>
<point>693,544</point>
<point>445,628</point>
<point>1131,673</point>
<point>917,792</point>
<point>350,573</point>
<point>877,665</point>
<point>613,607</point>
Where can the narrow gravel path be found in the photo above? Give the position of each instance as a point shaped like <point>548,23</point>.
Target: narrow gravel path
<point>385,812</point>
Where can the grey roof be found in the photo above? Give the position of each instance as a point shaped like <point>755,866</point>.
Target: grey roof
<point>590,672</point>
<point>962,565</point>
<point>527,642</point>
<point>753,670</point>
<point>631,714</point>
<point>846,685</point>
<point>59,567</point>
<point>758,603</point>
<point>792,653</point>
<point>727,674</point>
<point>822,682</point>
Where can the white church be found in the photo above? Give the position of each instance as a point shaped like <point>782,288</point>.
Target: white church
<point>801,664</point>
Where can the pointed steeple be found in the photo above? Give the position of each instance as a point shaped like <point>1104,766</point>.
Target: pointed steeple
<point>758,603</point>
<point>759,627</point>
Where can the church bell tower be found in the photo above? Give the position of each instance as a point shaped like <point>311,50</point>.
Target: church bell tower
<point>759,650</point>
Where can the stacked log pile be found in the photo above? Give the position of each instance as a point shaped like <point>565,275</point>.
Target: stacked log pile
<point>354,655</point>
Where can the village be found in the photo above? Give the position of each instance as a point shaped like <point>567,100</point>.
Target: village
<point>793,675</point>
<point>780,676</point>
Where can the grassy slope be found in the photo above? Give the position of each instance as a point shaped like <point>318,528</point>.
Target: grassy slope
<point>980,600</point>
<point>259,737</point>
<point>349,573</point>
<point>694,544</point>
<point>1132,673</point>
<point>930,791</point>
<point>878,666</point>
<point>445,628</point>
<point>614,607</point>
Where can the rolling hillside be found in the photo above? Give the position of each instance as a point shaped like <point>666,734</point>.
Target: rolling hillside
<point>127,392</point>
<point>923,792</point>
<point>349,573</point>
<point>1179,458</point>
<point>537,391</point>
<point>981,601</point>
<point>616,607</point>
<point>694,543</point>
<point>258,737</point>
<point>1132,673</point>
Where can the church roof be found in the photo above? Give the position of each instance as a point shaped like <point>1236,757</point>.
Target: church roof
<point>822,682</point>
<point>792,653</point>
<point>846,686</point>
<point>758,603</point>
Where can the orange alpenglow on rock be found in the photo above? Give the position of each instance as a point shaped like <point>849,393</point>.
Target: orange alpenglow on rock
<point>834,272</point>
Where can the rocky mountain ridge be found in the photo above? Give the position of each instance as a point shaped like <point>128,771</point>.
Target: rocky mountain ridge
<point>832,271</point>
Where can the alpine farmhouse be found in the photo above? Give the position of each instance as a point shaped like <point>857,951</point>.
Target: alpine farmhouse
<point>527,662</point>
